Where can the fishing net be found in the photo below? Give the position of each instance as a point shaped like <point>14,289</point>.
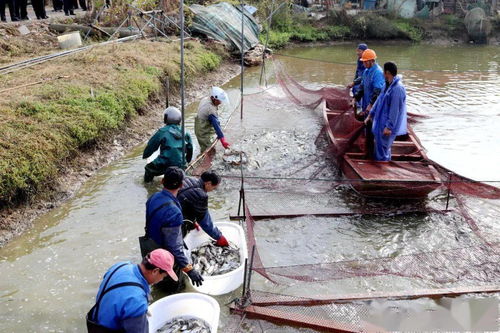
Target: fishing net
<point>479,264</point>
<point>348,134</point>
<point>300,188</point>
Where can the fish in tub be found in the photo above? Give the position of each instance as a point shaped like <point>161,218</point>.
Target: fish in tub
<point>184,312</point>
<point>222,269</point>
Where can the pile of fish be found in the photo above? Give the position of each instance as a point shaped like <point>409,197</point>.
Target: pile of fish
<point>185,324</point>
<point>210,259</point>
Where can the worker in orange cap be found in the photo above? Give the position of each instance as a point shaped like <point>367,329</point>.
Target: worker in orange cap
<point>371,84</point>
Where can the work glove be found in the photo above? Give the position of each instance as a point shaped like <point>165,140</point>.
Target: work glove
<point>224,143</point>
<point>195,277</point>
<point>222,241</point>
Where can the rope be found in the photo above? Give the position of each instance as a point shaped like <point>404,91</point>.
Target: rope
<point>406,69</point>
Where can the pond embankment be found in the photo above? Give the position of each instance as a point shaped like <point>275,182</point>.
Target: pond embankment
<point>66,118</point>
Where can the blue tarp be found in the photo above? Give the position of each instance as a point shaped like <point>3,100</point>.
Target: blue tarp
<point>222,22</point>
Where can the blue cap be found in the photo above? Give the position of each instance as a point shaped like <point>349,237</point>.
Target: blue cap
<point>362,46</point>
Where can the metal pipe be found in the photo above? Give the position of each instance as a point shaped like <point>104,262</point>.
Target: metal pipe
<point>181,9</point>
<point>38,60</point>
<point>272,13</point>
<point>242,57</point>
<point>250,269</point>
<point>243,293</point>
<point>449,190</point>
<point>167,91</point>
<point>119,27</point>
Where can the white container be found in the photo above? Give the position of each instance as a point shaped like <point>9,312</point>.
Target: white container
<point>184,305</point>
<point>70,40</point>
<point>224,283</point>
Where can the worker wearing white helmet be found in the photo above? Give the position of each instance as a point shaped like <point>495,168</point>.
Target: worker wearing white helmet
<point>169,140</point>
<point>207,119</point>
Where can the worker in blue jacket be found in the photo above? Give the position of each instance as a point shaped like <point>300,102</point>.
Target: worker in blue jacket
<point>360,68</point>
<point>194,201</point>
<point>169,140</point>
<point>122,300</point>
<point>389,113</point>
<point>371,84</point>
<point>164,225</point>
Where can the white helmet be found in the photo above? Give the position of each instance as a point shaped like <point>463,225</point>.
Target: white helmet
<point>172,115</point>
<point>219,94</point>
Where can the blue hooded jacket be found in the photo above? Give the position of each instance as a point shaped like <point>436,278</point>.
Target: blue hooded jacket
<point>165,225</point>
<point>390,109</point>
<point>373,78</point>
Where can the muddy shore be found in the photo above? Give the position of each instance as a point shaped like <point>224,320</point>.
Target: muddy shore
<point>16,220</point>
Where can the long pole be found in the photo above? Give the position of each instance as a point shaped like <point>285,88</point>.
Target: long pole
<point>242,54</point>
<point>263,68</point>
<point>182,82</point>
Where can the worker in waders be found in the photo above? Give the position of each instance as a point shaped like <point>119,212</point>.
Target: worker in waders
<point>207,119</point>
<point>169,140</point>
<point>122,300</point>
<point>193,197</point>
<point>389,113</point>
<point>164,223</point>
<point>360,68</point>
<point>372,82</point>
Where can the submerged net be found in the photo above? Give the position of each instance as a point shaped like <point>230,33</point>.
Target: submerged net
<point>479,264</point>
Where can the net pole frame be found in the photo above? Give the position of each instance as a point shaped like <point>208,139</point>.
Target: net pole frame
<point>242,202</point>
<point>242,57</point>
<point>243,292</point>
<point>181,13</point>
<point>448,190</point>
<point>263,68</point>
<point>250,269</point>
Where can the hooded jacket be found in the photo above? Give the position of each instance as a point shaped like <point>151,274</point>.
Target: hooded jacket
<point>169,140</point>
<point>194,202</point>
<point>390,109</point>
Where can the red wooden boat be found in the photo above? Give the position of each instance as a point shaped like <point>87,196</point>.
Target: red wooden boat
<point>409,175</point>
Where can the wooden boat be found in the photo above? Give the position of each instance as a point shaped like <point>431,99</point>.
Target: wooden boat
<point>409,175</point>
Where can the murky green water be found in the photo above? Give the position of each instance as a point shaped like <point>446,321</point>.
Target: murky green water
<point>49,276</point>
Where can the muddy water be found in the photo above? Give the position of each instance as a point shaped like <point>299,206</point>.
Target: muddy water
<point>50,275</point>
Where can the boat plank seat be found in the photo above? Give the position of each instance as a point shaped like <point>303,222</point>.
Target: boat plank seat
<point>398,157</point>
<point>407,171</point>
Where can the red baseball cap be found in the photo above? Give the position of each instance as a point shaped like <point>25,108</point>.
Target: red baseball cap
<point>165,260</point>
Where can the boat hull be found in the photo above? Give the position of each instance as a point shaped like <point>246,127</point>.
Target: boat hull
<point>408,176</point>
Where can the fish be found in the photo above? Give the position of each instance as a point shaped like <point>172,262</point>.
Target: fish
<point>185,324</point>
<point>234,158</point>
<point>210,259</point>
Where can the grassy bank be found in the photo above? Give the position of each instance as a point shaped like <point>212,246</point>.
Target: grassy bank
<point>86,97</point>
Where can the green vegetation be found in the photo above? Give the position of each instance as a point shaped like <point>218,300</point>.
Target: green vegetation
<point>410,31</point>
<point>44,127</point>
<point>287,26</point>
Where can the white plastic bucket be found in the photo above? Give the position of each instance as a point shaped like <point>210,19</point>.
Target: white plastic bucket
<point>224,283</point>
<point>70,40</point>
<point>184,305</point>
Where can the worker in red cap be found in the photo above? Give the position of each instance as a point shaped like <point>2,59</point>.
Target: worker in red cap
<point>122,300</point>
